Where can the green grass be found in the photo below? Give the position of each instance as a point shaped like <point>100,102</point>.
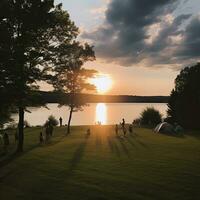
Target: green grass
<point>143,165</point>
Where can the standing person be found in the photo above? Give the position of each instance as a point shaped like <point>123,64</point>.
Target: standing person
<point>1,138</point>
<point>41,138</point>
<point>88,132</point>
<point>123,126</point>
<point>16,137</point>
<point>60,121</point>
<point>50,129</point>
<point>124,131</point>
<point>123,123</point>
<point>130,129</point>
<point>6,141</point>
<point>47,134</point>
<point>116,129</point>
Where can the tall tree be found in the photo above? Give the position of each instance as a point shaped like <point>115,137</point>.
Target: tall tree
<point>71,77</point>
<point>5,114</point>
<point>30,32</point>
<point>184,103</point>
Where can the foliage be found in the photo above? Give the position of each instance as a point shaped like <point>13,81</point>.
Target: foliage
<point>12,126</point>
<point>150,117</point>
<point>184,103</point>
<point>26,124</point>
<point>30,33</point>
<point>5,114</point>
<point>137,122</point>
<point>51,121</point>
<point>71,77</point>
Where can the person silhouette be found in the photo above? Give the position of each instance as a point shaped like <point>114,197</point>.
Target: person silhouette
<point>123,123</point>
<point>116,129</point>
<point>123,126</point>
<point>47,132</point>
<point>124,131</point>
<point>6,141</point>
<point>88,132</point>
<point>130,129</point>
<point>41,138</point>
<point>51,128</point>
<point>16,137</point>
<point>60,121</point>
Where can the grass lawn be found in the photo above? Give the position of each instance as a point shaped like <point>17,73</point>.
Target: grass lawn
<point>143,165</point>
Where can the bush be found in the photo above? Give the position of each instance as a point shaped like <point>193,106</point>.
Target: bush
<point>51,120</point>
<point>11,126</point>
<point>137,122</point>
<point>26,124</point>
<point>150,117</point>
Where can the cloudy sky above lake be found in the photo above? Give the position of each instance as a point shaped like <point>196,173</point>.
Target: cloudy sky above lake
<point>141,44</point>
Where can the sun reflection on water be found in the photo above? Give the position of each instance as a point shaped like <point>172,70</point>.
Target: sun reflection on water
<point>101,113</point>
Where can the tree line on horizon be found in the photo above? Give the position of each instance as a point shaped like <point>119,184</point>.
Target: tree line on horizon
<point>38,42</point>
<point>54,97</point>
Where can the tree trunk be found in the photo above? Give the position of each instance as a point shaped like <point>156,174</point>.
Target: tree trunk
<point>69,121</point>
<point>21,130</point>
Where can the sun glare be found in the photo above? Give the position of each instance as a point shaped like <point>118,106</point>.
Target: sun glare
<point>103,83</point>
<point>101,113</point>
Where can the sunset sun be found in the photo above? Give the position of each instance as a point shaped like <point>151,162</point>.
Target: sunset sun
<point>103,83</point>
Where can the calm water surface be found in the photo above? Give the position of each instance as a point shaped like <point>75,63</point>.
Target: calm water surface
<point>106,113</point>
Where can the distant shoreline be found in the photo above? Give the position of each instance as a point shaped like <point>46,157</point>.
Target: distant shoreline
<point>55,97</point>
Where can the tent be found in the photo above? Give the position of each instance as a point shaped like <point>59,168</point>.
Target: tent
<point>179,129</point>
<point>164,127</point>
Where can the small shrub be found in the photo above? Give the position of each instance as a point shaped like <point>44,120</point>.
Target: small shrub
<point>26,124</point>
<point>150,117</point>
<point>137,122</point>
<point>12,126</point>
<point>51,120</point>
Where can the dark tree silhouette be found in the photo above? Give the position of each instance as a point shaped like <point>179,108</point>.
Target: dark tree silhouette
<point>5,114</point>
<point>184,103</point>
<point>52,121</point>
<point>30,33</point>
<point>71,77</point>
<point>150,117</point>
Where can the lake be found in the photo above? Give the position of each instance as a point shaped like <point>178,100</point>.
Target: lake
<point>106,113</point>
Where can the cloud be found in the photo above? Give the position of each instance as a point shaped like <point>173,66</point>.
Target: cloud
<point>190,48</point>
<point>100,10</point>
<point>146,33</point>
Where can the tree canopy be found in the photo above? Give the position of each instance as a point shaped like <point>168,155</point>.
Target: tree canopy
<point>70,76</point>
<point>184,103</point>
<point>31,31</point>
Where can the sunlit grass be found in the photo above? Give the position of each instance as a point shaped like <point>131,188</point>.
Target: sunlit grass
<point>143,165</point>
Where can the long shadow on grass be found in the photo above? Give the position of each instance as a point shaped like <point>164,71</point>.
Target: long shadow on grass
<point>98,141</point>
<point>14,155</point>
<point>139,141</point>
<point>124,148</point>
<point>78,154</point>
<point>131,142</point>
<point>113,146</point>
<point>54,141</point>
<point>11,158</point>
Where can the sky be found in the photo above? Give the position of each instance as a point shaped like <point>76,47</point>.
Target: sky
<point>142,45</point>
